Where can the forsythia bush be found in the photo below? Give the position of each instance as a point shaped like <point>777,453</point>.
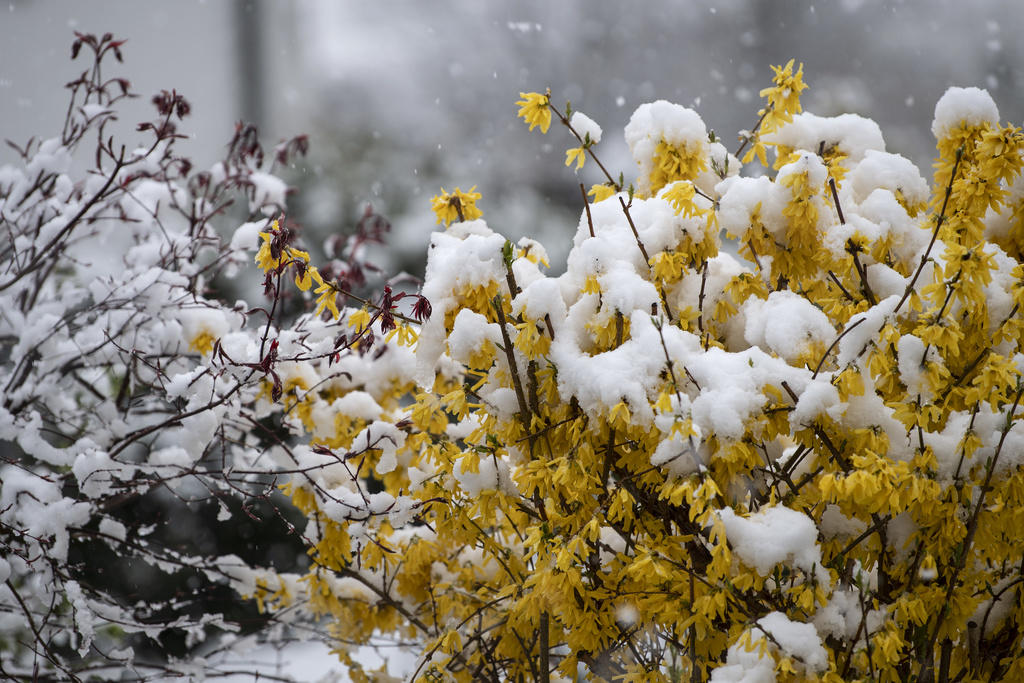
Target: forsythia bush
<point>763,427</point>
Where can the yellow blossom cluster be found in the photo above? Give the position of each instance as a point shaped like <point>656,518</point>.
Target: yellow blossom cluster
<point>270,257</point>
<point>763,426</point>
<point>675,162</point>
<point>456,206</point>
<point>783,101</point>
<point>535,109</point>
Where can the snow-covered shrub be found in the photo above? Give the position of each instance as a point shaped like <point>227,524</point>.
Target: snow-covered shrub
<point>131,381</point>
<point>764,425</point>
<point>796,458</point>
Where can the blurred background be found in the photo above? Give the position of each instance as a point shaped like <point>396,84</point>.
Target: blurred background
<point>402,97</point>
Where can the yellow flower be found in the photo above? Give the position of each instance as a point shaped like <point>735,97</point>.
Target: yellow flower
<point>849,382</point>
<point>535,109</point>
<point>359,319</point>
<point>619,415</point>
<point>757,149</point>
<point>577,154</point>
<point>456,206</point>
<point>264,258</point>
<point>601,192</point>
<point>668,266</point>
<point>298,259</point>
<point>407,336</point>
<point>326,299</point>
<point>676,162</point>
<point>451,643</point>
<point>999,148</point>
<point>681,195</point>
<point>297,254</point>
<point>202,342</point>
<point>784,98</point>
<point>530,341</point>
<point>304,277</point>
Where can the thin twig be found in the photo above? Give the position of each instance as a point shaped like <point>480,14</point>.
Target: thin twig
<point>700,303</point>
<point>632,226</point>
<point>586,205</point>
<point>839,284</point>
<point>935,234</point>
<point>835,200</point>
<point>833,345</point>
<point>587,148</point>
<point>862,272</point>
<point>753,134</point>
<point>72,223</point>
<point>513,368</point>
<point>545,650</point>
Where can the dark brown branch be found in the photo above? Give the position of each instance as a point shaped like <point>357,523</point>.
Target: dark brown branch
<point>513,368</point>
<point>586,206</point>
<point>632,226</point>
